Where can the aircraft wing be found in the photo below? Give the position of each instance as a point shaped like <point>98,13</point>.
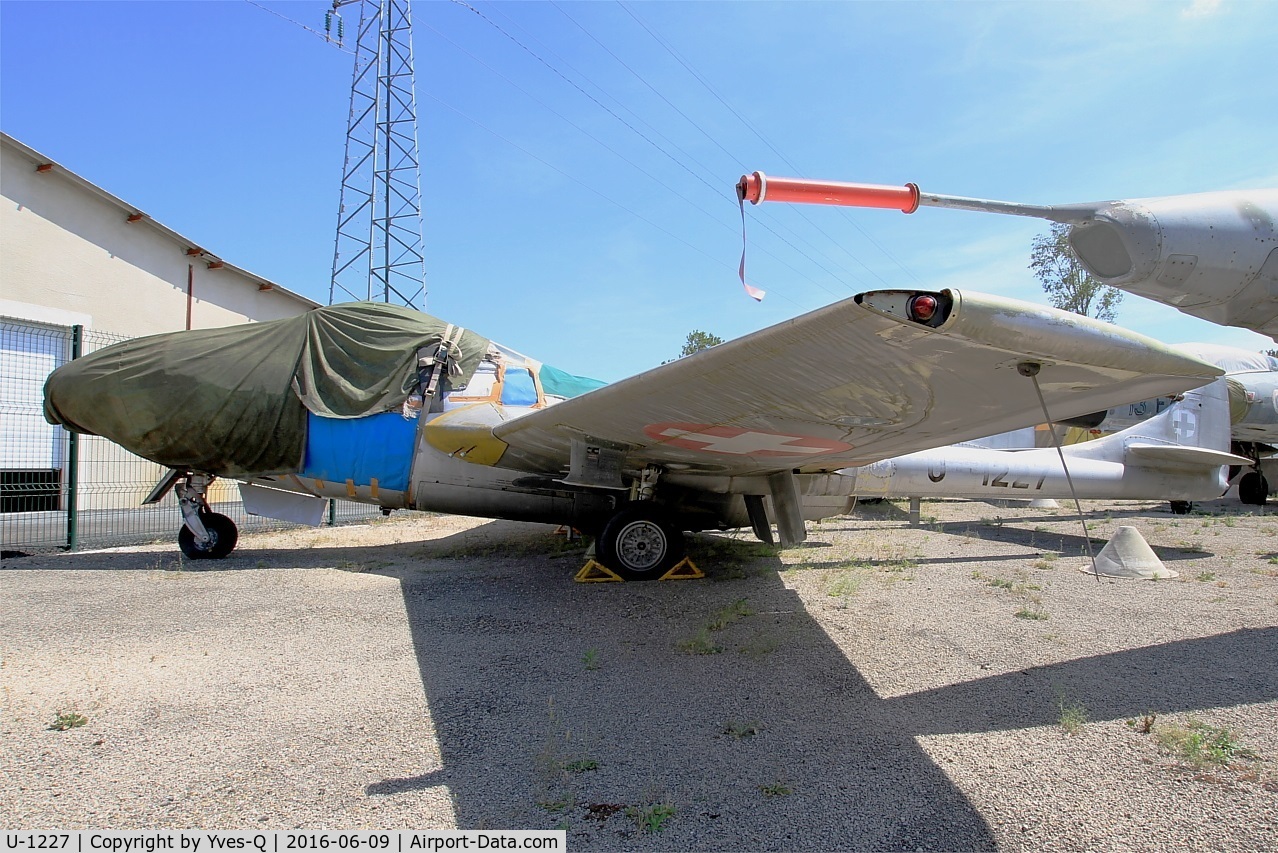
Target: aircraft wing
<point>849,384</point>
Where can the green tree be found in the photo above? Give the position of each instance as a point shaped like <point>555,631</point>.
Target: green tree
<point>698,340</point>
<point>1067,284</point>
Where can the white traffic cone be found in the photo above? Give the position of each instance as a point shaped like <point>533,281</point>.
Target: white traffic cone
<point>1128,555</point>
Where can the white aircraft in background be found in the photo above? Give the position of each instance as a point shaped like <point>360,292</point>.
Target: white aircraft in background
<point>1212,255</point>
<point>1252,380</point>
<point>392,407</point>
<point>1180,455</point>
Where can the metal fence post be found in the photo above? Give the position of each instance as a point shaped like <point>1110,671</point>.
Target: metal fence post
<point>332,513</point>
<point>73,458</point>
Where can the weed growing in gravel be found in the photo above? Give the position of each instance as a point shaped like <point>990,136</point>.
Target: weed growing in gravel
<point>1046,561</point>
<point>1001,583</point>
<point>651,818</point>
<point>845,585</point>
<point>737,731</point>
<point>776,789</point>
<point>1034,614</point>
<point>67,720</point>
<point>1200,745</point>
<point>556,806</point>
<point>734,612</point>
<point>731,558</point>
<point>591,659</point>
<point>1204,577</point>
<point>562,753</point>
<point>699,644</point>
<point>1073,715</point>
<point>1146,723</point>
<point>803,564</point>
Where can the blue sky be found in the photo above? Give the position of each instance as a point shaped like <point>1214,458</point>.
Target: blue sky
<point>555,228</point>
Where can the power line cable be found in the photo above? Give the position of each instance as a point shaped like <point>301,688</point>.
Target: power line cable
<point>631,127</point>
<point>750,126</point>
<point>584,185</point>
<point>765,224</point>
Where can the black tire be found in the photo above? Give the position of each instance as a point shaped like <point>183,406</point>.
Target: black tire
<point>1181,507</point>
<point>640,542</point>
<point>222,538</point>
<point>1253,489</point>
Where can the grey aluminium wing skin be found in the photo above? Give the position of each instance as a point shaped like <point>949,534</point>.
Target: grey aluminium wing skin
<point>852,383</point>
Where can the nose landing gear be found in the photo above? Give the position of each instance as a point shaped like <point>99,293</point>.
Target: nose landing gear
<point>205,535</point>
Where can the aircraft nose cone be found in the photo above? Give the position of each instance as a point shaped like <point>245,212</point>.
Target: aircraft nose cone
<point>74,401</point>
<point>188,400</point>
<point>92,395</point>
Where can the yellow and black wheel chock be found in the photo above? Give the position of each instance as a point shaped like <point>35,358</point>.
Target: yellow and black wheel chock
<point>684,570</point>
<point>594,572</point>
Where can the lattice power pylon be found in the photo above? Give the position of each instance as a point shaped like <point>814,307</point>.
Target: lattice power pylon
<point>378,253</point>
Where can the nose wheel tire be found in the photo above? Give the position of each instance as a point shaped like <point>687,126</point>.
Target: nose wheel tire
<point>223,535</point>
<point>1253,489</point>
<point>640,542</point>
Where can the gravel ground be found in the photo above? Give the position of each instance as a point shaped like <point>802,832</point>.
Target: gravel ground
<point>956,686</point>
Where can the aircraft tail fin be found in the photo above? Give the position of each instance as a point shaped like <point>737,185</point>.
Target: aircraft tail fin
<point>1192,432</point>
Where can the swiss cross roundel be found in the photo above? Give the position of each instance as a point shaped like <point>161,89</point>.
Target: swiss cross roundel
<point>736,441</point>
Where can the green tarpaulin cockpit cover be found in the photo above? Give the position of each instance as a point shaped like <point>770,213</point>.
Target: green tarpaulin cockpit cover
<point>233,401</point>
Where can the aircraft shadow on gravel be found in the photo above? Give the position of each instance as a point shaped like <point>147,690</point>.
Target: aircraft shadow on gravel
<point>524,699</point>
<point>542,722</point>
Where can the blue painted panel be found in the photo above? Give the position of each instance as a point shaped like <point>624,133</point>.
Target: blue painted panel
<point>518,388</point>
<point>360,449</point>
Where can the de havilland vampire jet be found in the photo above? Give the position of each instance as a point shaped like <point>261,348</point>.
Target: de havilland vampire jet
<point>1179,455</point>
<point>392,407</point>
<point>1212,255</point>
<point>1252,380</point>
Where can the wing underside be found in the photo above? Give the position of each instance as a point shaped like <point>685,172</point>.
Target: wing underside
<point>850,384</point>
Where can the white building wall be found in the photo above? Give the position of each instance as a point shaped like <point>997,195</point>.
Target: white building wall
<point>67,245</point>
<point>69,255</point>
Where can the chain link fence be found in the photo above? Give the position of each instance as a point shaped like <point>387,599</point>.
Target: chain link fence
<point>60,490</point>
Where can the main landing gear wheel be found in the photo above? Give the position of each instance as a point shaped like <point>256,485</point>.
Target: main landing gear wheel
<point>640,543</point>
<point>1253,489</point>
<point>222,538</point>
